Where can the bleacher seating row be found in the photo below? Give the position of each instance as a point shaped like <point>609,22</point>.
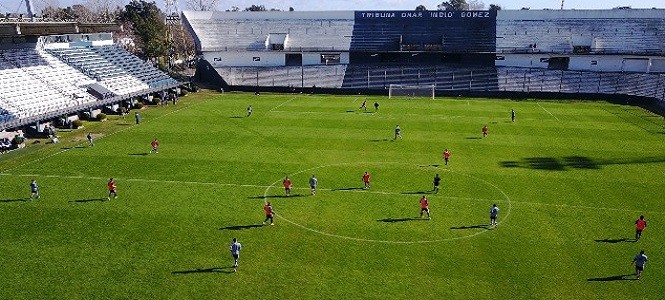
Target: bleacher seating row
<point>302,35</point>
<point>36,82</point>
<point>623,36</point>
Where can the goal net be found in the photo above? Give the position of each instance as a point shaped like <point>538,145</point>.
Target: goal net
<point>399,90</point>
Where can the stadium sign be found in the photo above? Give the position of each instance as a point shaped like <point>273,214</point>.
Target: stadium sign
<point>423,14</point>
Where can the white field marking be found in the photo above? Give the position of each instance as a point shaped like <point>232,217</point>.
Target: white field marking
<point>285,102</point>
<point>385,116</point>
<point>548,111</point>
<point>84,143</point>
<point>265,197</point>
<point>327,190</point>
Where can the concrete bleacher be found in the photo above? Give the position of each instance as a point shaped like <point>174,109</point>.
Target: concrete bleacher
<point>38,82</point>
<point>221,31</point>
<point>30,86</point>
<point>134,66</point>
<point>631,31</point>
<point>106,72</point>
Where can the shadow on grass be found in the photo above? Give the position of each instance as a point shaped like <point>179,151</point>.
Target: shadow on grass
<point>427,166</point>
<point>276,196</point>
<point>575,162</point>
<point>348,189</point>
<point>123,124</point>
<point>350,111</point>
<point>88,200</point>
<point>227,270</point>
<point>237,117</point>
<point>614,241</point>
<point>473,138</point>
<point>241,227</point>
<point>393,220</point>
<point>139,154</point>
<point>15,200</point>
<point>80,147</point>
<point>479,226</point>
<point>380,140</point>
<point>614,278</point>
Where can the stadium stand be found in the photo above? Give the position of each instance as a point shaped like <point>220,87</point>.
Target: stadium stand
<point>67,74</point>
<point>596,52</point>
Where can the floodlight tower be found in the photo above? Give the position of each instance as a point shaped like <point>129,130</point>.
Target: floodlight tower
<point>173,23</point>
<point>31,9</point>
<point>562,4</point>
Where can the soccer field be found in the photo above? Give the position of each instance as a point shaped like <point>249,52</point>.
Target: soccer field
<point>570,178</point>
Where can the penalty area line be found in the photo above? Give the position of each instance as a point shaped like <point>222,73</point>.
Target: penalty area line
<point>547,111</point>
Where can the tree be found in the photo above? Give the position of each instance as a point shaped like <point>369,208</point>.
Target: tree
<point>453,5</point>
<point>148,25</point>
<point>291,9</point>
<point>476,5</point>
<point>256,8</point>
<point>201,5</point>
<point>421,7</point>
<point>495,7</point>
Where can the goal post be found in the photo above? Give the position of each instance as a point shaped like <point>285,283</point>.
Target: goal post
<point>401,90</point>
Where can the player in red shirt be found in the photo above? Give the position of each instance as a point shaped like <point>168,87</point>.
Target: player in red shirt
<point>640,224</point>
<point>424,207</point>
<point>485,130</point>
<point>269,214</point>
<point>366,178</point>
<point>112,189</point>
<point>446,156</point>
<point>287,186</point>
<point>155,145</point>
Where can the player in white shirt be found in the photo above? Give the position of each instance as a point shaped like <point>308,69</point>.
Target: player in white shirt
<point>313,182</point>
<point>494,213</point>
<point>235,252</point>
<point>640,261</point>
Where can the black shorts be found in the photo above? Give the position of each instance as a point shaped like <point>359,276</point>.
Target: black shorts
<point>424,209</point>
<point>493,218</point>
<point>235,255</point>
<point>639,268</point>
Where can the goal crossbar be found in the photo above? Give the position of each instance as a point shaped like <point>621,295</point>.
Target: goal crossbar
<point>401,90</point>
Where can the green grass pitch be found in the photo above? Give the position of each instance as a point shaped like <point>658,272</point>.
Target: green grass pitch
<point>570,178</point>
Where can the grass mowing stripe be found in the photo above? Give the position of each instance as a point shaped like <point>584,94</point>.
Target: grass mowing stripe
<point>84,143</point>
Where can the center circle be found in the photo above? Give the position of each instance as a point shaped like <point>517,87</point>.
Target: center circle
<point>395,217</point>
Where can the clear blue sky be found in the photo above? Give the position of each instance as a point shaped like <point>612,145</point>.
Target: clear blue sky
<point>301,5</point>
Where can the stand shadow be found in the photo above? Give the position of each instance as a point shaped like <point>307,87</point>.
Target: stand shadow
<point>614,241</point>
<point>480,226</point>
<point>209,270</point>
<point>613,278</point>
<point>348,189</point>
<point>89,200</point>
<point>139,154</point>
<point>15,200</point>
<point>241,227</point>
<point>393,220</point>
